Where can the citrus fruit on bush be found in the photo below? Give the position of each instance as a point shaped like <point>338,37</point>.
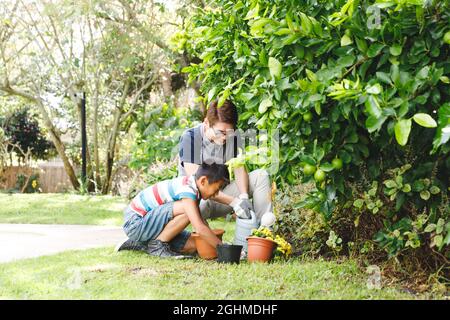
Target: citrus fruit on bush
<point>337,163</point>
<point>309,169</point>
<point>447,37</point>
<point>308,116</point>
<point>319,176</point>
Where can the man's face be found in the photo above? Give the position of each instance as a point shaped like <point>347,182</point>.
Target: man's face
<point>208,190</point>
<point>218,132</point>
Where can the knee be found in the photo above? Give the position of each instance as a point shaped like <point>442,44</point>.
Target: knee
<point>260,176</point>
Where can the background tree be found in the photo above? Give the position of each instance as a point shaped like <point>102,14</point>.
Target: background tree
<point>54,51</point>
<point>23,132</point>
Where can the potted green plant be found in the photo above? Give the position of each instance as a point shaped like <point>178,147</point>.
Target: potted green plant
<point>263,245</point>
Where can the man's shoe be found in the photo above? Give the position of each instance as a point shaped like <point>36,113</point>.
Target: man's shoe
<point>129,244</point>
<point>161,249</point>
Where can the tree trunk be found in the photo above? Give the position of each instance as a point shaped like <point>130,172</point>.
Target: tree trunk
<point>111,150</point>
<point>98,179</point>
<point>54,134</point>
<point>56,139</point>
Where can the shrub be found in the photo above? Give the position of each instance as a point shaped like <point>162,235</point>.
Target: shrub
<point>32,183</point>
<point>359,91</point>
<point>158,171</point>
<point>159,130</point>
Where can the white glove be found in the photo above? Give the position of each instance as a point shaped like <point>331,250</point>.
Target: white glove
<point>268,219</point>
<point>242,206</point>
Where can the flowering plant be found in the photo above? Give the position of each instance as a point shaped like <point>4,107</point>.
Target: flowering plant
<point>284,248</point>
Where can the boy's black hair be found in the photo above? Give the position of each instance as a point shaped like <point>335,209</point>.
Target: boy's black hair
<point>213,172</point>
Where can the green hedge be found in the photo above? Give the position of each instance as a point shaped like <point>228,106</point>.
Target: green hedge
<point>360,93</point>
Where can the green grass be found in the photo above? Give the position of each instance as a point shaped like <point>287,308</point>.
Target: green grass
<point>103,274</point>
<point>61,209</point>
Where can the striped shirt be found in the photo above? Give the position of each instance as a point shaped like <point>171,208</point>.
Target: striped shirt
<point>164,192</point>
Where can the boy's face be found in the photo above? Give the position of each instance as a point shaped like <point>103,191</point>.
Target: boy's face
<point>208,190</point>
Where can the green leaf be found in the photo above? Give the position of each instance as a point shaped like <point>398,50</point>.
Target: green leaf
<point>346,40</point>
<point>440,226</point>
<point>275,67</point>
<point>358,203</point>
<point>402,130</point>
<point>443,131</point>
<point>430,228</point>
<point>390,184</point>
<point>425,120</point>
<point>373,106</point>
<point>361,44</point>
<point>252,13</point>
<point>374,124</point>
<point>375,89</point>
<point>434,190</point>
<point>396,50</point>
<point>406,188</point>
<point>327,167</point>
<point>212,93</point>
<point>264,105</point>
<point>447,239</point>
<point>374,49</point>
<point>438,240</point>
<point>425,195</point>
<point>311,75</point>
<point>306,24</point>
<point>224,96</point>
<point>384,77</point>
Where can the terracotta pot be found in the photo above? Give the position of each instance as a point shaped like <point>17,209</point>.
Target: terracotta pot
<point>260,249</point>
<point>204,249</point>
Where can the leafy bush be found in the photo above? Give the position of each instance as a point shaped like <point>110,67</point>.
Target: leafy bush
<point>32,183</point>
<point>159,130</point>
<point>359,91</point>
<point>23,130</point>
<point>158,171</point>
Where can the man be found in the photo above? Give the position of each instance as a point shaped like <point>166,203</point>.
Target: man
<point>216,140</point>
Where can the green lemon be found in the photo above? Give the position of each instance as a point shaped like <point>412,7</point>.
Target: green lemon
<point>337,163</point>
<point>309,169</point>
<point>319,176</point>
<point>308,116</point>
<point>447,37</point>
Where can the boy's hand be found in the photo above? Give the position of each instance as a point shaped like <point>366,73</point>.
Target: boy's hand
<point>198,223</point>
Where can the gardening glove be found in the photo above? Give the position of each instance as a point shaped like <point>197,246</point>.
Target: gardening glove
<point>242,206</point>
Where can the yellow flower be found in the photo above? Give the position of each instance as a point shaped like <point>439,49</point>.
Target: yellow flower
<point>34,184</point>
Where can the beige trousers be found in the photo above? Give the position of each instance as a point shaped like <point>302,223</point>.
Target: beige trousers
<point>259,191</point>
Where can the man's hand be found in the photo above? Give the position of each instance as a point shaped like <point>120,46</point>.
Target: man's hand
<point>242,206</point>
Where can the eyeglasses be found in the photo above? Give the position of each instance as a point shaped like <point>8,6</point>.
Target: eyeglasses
<point>221,133</point>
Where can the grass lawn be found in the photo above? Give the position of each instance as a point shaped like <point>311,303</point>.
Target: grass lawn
<point>61,209</point>
<point>103,274</point>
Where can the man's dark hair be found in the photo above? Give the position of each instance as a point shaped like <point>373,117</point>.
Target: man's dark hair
<point>213,172</point>
<point>226,113</point>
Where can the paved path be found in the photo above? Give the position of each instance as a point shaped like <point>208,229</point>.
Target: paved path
<point>19,241</point>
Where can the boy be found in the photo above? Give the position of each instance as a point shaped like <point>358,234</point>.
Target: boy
<point>156,218</point>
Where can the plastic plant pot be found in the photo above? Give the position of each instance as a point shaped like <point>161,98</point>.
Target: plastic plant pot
<point>229,253</point>
<point>260,249</point>
<point>204,249</point>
